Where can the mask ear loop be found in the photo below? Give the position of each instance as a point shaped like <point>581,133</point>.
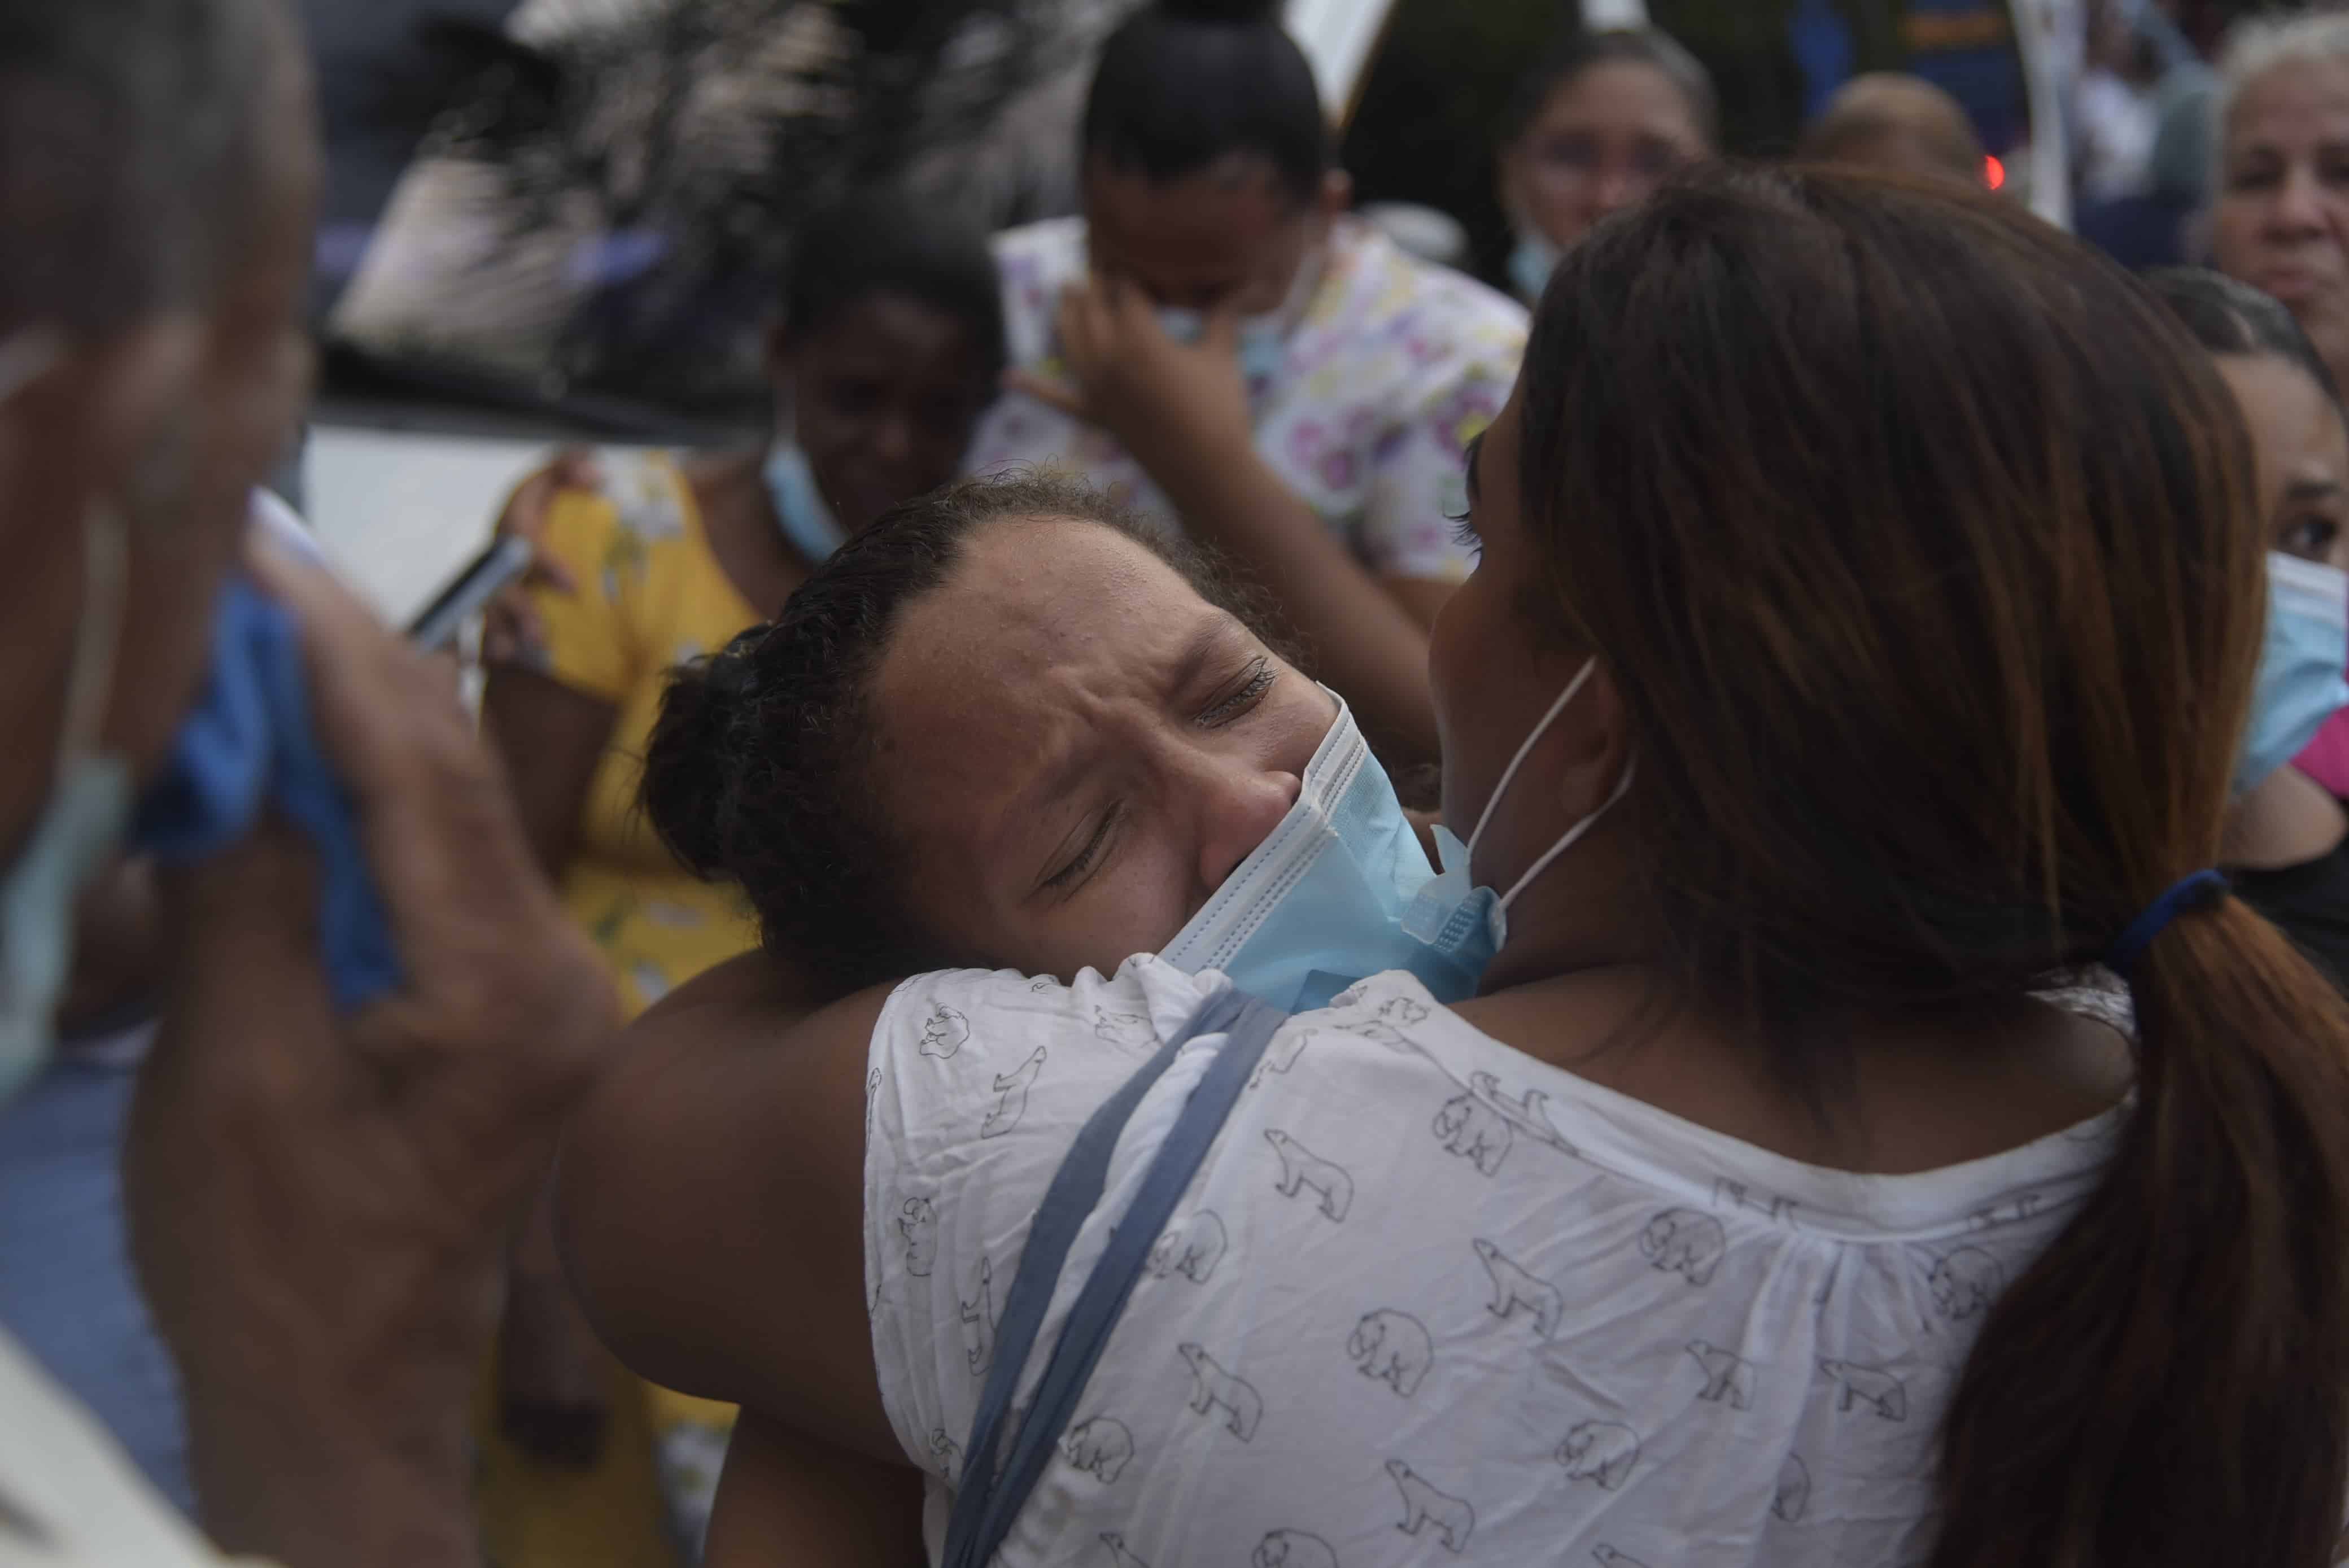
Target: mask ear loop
<point>1622,787</point>
<point>97,636</point>
<point>1581,679</point>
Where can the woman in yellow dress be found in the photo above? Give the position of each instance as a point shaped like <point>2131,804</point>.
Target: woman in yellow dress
<point>889,348</point>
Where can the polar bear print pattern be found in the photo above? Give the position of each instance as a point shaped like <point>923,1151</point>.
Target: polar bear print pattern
<point>948,1453</point>
<point>1392,1347</point>
<point>946,1032</point>
<point>1965,1281</point>
<point>1728,1378</point>
<point>1212,1386</point>
<point>1475,1132</point>
<point>1603,1451</point>
<point>1279,1057</point>
<point>979,1322</point>
<point>918,1223</point>
<point>1728,1194</point>
<point>1301,1168</point>
<point>1529,1111</point>
<point>1794,1493</point>
<point>1293,1549</point>
<point>1869,1385</point>
<point>1130,1030</point>
<point>1100,1446</point>
<point>1514,1288</point>
<point>1685,1241</point>
<point>1012,1087</point>
<point>1118,1555</point>
<point>1192,1248</point>
<point>2007,1213</point>
<point>1424,1505</point>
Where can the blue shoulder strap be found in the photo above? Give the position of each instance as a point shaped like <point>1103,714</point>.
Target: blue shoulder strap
<point>992,1495</point>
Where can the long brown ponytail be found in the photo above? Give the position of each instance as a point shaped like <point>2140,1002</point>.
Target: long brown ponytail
<point>1921,545</point>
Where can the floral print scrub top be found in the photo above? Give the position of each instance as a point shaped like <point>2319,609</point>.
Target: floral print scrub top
<point>1394,366</point>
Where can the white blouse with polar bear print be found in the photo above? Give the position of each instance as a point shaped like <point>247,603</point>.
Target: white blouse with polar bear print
<point>1428,1301</point>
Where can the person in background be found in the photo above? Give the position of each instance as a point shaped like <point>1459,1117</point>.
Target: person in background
<point>2280,219</point>
<point>2287,845</point>
<point>68,1291</point>
<point>1895,124</point>
<point>318,1197</point>
<point>1597,126</point>
<point>1218,343</point>
<point>889,346</point>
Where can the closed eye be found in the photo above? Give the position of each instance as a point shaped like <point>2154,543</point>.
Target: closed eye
<point>1241,695</point>
<point>1073,873</point>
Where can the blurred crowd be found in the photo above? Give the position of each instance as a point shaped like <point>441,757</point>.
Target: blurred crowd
<point>1237,896</point>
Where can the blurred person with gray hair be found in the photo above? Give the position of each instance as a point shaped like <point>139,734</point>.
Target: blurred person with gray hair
<point>2279,216</point>
<point>319,1177</point>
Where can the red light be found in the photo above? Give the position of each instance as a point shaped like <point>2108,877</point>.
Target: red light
<point>1994,172</point>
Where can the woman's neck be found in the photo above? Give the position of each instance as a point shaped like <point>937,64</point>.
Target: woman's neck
<point>739,521</point>
<point>2287,819</point>
<point>1583,985</point>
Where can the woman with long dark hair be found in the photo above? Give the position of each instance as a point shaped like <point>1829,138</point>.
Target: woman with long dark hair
<point>1871,591</point>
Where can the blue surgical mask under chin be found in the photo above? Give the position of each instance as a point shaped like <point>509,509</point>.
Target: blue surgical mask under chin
<point>1262,343</point>
<point>1469,924</point>
<point>1320,904</point>
<point>799,510</point>
<point>1531,262</point>
<point>79,826</point>
<point>2299,682</point>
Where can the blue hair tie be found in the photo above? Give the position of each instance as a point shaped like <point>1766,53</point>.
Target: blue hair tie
<point>2200,891</point>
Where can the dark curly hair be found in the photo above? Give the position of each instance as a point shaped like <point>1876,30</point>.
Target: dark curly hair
<point>760,770</point>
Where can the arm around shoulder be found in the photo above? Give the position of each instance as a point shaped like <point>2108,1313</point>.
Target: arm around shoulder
<point>710,1203</point>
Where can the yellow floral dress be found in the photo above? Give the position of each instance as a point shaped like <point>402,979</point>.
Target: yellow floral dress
<point>649,594</point>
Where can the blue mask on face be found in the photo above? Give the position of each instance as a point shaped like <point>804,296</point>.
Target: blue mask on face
<point>1531,262</point>
<point>2299,682</point>
<point>1262,343</point>
<point>799,510</point>
<point>1468,923</point>
<point>1320,904</point>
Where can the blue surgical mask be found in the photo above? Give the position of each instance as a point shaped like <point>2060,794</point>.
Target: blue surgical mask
<point>806,521</point>
<point>1262,343</point>
<point>1320,904</point>
<point>1469,924</point>
<point>80,824</point>
<point>2299,682</point>
<point>1531,262</point>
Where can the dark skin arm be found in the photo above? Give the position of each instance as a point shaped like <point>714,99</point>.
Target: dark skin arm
<point>550,738</point>
<point>725,1109</point>
<point>814,1473</point>
<point>786,1498</point>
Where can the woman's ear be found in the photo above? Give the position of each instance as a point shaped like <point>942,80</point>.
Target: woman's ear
<point>1594,742</point>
